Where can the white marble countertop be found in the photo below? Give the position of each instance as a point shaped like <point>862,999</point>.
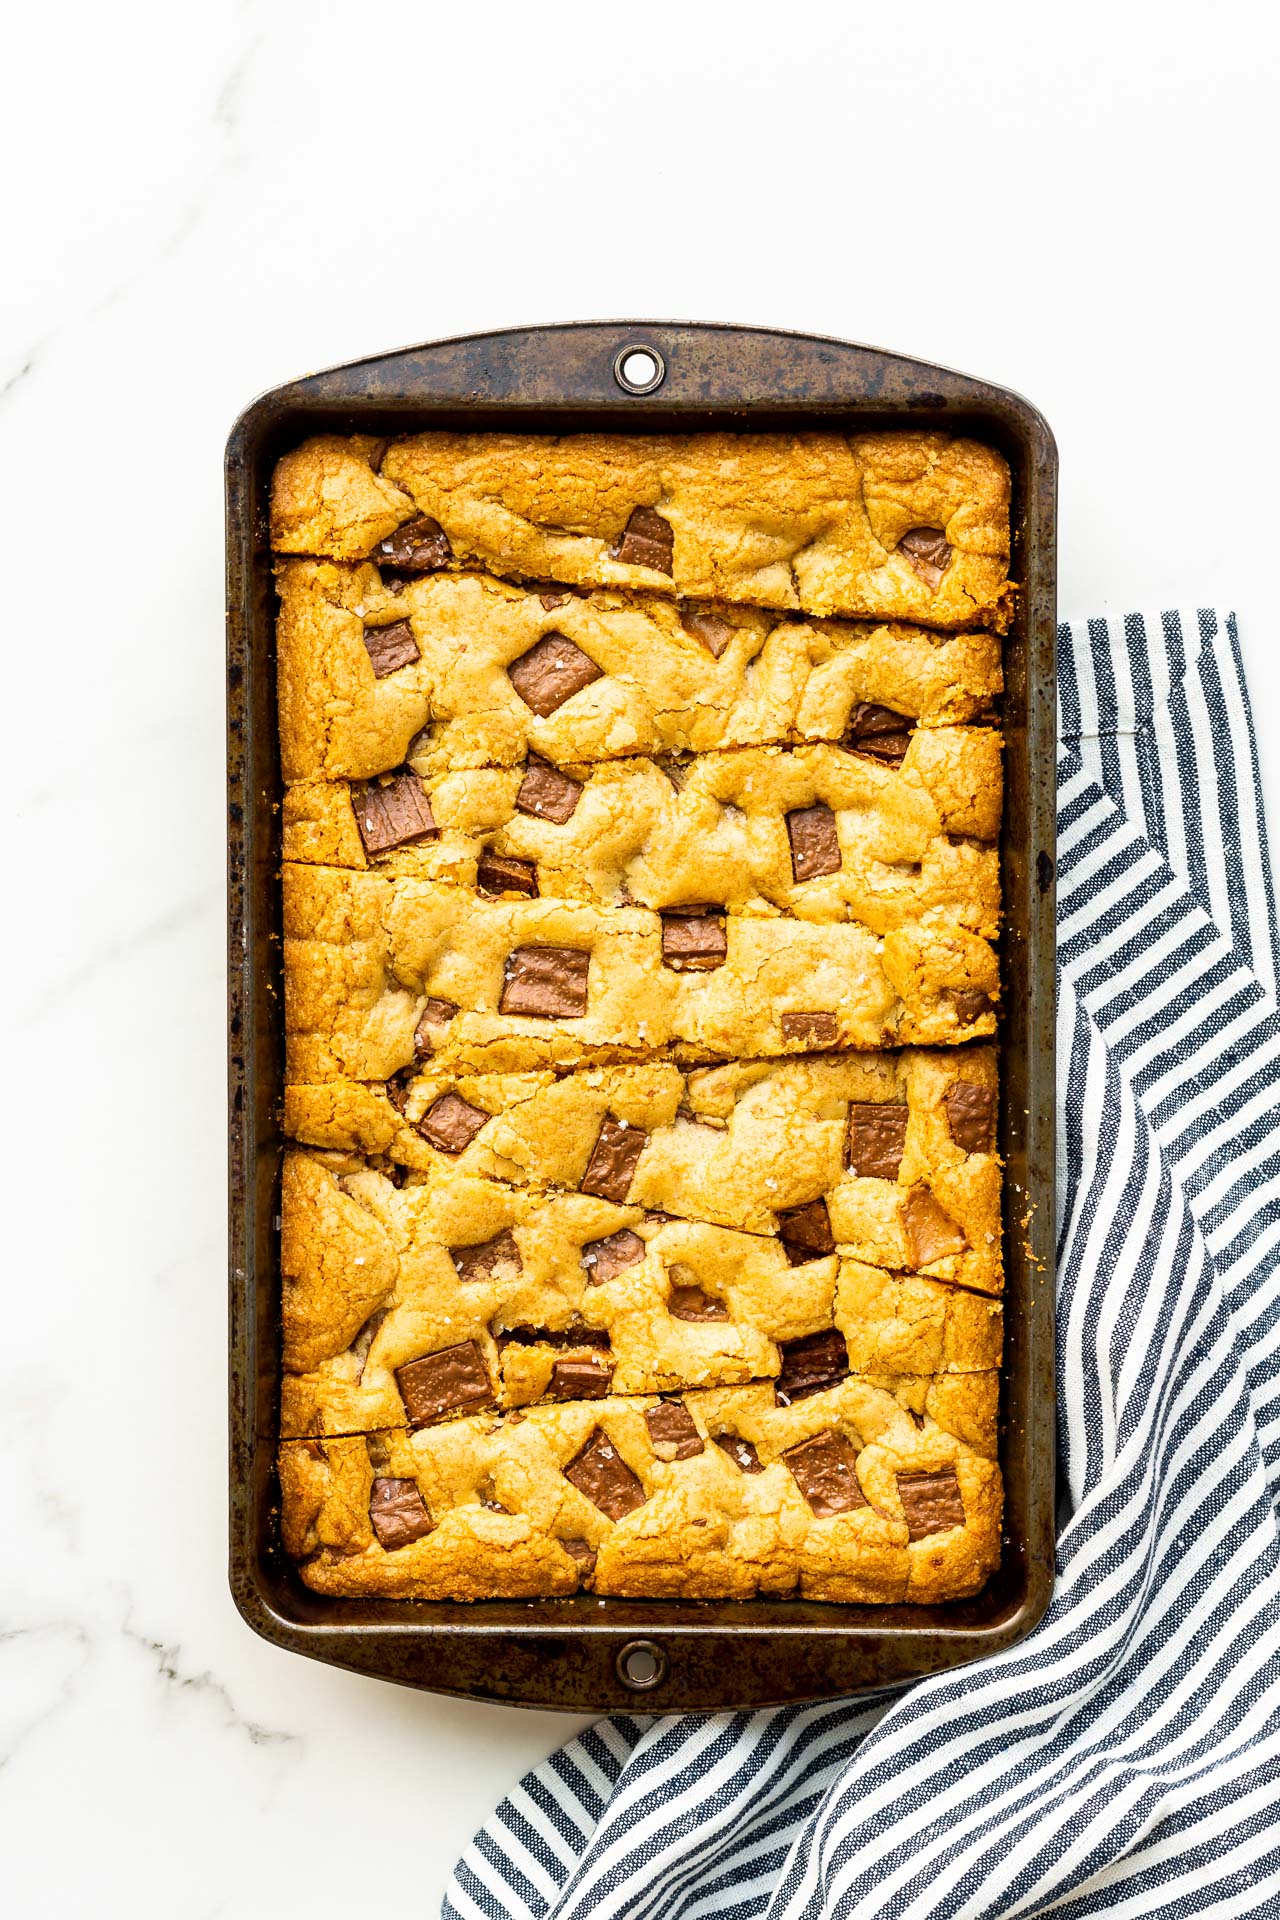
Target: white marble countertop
<point>206,201</point>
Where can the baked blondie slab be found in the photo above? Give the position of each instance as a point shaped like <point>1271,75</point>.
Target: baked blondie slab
<point>458,670</point>
<point>867,1491</point>
<point>894,1152</point>
<point>900,525</point>
<point>639,793</point>
<point>814,832</point>
<point>534,982</point>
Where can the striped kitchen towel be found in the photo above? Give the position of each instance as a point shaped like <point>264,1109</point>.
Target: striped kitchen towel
<point>1126,1758</point>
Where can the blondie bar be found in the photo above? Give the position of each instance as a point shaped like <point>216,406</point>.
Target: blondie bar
<point>896,1150</point>
<point>547,982</point>
<point>865,1491</point>
<point>892,525</point>
<point>456,670</point>
<point>814,832</point>
<point>575,1295</point>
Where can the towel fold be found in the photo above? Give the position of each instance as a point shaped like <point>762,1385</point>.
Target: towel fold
<point>1125,1759</point>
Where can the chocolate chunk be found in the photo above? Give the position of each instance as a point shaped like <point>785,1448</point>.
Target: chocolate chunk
<point>806,1232</point>
<point>550,673</point>
<point>576,1334</point>
<point>815,844</point>
<point>549,983</point>
<point>390,647</point>
<point>419,546</point>
<point>584,1553</point>
<point>606,1259</point>
<point>398,1513</point>
<point>455,1380</point>
<point>693,941</point>
<point>880,732</point>
<point>691,1303</point>
<point>826,1471</point>
<point>811,1365</point>
<point>927,550</point>
<point>452,1123</point>
<point>579,1380</point>
<point>496,1259</point>
<point>647,542</point>
<point>506,873</point>
<point>971,1006</point>
<point>931,1502</point>
<point>811,1029</point>
<point>495,1506</point>
<point>614,1157</point>
<point>395,815</point>
<point>740,1451</point>
<point>377,454</point>
<point>436,1016</point>
<point>599,1471</point>
<point>931,1232</point>
<point>547,793</point>
<point>399,1087</point>
<point>714,633</point>
<point>877,1138</point>
<point>555,597</point>
<point>971,1111</point>
<point>673,1431</point>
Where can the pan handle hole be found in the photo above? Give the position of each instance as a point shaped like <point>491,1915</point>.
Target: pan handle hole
<point>639,369</point>
<point>642,1665</point>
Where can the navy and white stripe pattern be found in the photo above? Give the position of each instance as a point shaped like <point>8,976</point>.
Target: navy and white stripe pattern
<point>1126,1759</point>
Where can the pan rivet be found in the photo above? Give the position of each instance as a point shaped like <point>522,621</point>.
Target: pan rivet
<point>639,369</point>
<point>641,1665</point>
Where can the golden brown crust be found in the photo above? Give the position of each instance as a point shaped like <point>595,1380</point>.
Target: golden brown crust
<point>808,521</point>
<point>702,1528</point>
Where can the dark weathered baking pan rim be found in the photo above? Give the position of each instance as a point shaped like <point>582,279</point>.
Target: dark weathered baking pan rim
<point>584,1654</point>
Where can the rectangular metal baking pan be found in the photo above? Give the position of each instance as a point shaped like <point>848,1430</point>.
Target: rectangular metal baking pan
<point>582,1653</point>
